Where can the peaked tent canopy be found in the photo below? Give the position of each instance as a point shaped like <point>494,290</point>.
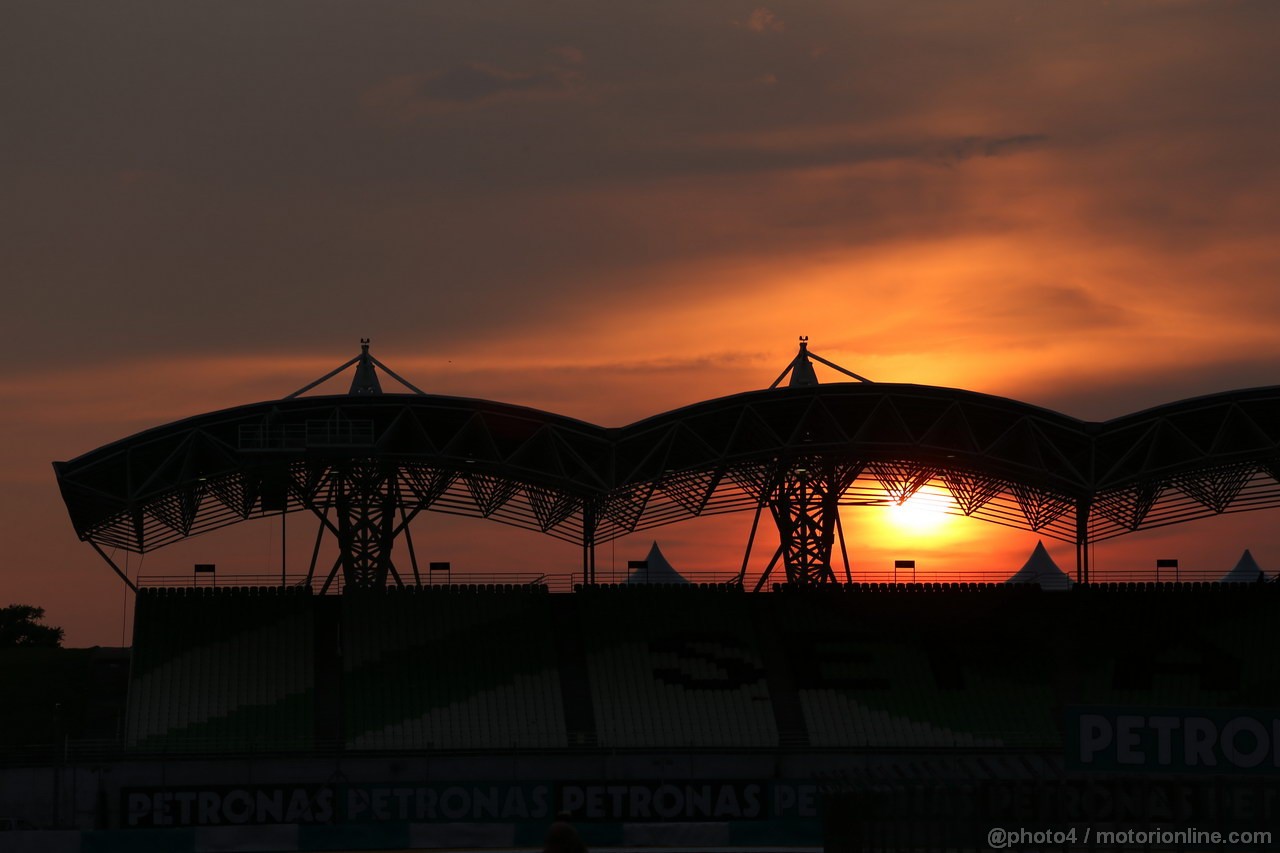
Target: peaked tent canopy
<point>1246,570</point>
<point>659,570</point>
<point>1041,569</point>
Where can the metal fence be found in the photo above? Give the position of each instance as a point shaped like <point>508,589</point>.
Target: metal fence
<point>565,582</point>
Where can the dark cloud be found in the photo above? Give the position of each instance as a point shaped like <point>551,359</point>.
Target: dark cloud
<point>1006,145</point>
<point>1038,309</point>
<point>969,147</point>
<point>405,99</point>
<point>1112,394</point>
<point>474,82</point>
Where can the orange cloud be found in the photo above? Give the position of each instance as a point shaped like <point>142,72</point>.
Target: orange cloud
<point>762,20</point>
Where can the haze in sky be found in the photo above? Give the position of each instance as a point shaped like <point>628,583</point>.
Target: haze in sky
<point>610,210</point>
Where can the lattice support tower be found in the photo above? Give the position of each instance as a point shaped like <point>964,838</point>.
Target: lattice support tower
<point>366,497</point>
<point>805,507</point>
<point>805,501</point>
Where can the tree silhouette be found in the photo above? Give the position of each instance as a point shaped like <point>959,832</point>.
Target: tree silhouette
<point>19,626</point>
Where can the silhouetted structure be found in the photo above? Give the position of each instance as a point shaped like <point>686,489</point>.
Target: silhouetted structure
<point>726,711</point>
<point>1246,570</point>
<point>654,568</point>
<point>679,666</point>
<point>365,463</point>
<point>1041,570</point>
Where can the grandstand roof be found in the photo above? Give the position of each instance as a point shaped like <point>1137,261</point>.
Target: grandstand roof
<point>1002,460</point>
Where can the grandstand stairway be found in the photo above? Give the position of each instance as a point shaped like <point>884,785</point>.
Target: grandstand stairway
<point>787,711</point>
<point>575,688</point>
<point>328,670</point>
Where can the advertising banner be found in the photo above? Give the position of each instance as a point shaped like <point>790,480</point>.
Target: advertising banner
<point>1214,741</point>
<point>632,801</point>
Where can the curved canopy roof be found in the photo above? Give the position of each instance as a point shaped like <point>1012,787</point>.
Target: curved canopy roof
<point>1001,460</point>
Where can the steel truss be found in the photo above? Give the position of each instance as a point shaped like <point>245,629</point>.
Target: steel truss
<point>367,462</point>
<point>366,498</point>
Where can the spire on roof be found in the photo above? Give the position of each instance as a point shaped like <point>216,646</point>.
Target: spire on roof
<point>364,380</point>
<point>801,368</point>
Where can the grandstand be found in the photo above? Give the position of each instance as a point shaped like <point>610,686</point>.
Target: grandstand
<point>680,667</point>
<point>450,668</point>
<point>701,693</point>
<point>227,670</point>
<point>356,707</point>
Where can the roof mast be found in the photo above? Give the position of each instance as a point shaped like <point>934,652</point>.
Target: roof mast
<point>365,379</point>
<point>801,368</point>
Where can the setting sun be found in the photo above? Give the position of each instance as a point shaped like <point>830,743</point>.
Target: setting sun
<point>924,513</point>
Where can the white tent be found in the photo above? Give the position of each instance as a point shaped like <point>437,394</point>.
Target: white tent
<point>659,570</point>
<point>1040,568</point>
<point>1246,570</point>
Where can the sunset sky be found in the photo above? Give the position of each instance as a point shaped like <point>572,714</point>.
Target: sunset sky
<point>608,210</point>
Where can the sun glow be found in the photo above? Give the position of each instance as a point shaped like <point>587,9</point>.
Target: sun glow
<point>923,514</point>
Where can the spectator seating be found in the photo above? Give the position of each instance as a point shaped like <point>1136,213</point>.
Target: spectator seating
<point>450,667</point>
<point>221,669</point>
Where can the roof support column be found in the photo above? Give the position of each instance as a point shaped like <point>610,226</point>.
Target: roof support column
<point>366,500</point>
<point>124,577</point>
<point>589,520</point>
<point>805,506</point>
<point>1083,507</point>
